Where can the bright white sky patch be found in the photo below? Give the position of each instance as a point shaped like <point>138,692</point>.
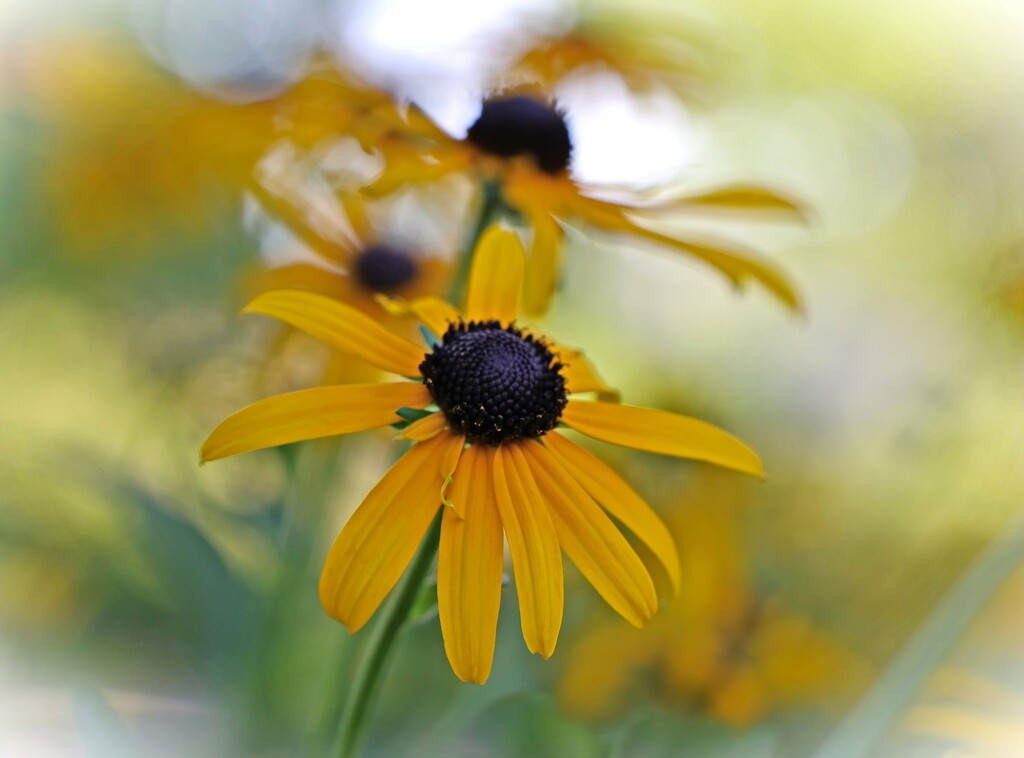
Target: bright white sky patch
<point>620,138</point>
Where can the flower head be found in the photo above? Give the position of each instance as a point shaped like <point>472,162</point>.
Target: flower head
<point>521,125</point>
<point>489,399</point>
<point>357,259</point>
<point>521,142</point>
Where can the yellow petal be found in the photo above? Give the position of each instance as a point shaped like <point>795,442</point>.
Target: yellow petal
<point>661,432</point>
<point>313,413</point>
<point>433,312</point>
<point>619,499</point>
<point>342,327</point>
<point>355,211</point>
<point>423,429</point>
<point>581,376</point>
<point>736,264</point>
<point>533,543</point>
<point>469,569</point>
<point>449,461</point>
<point>545,262</point>
<point>747,198</point>
<point>590,538</point>
<point>406,164</point>
<point>496,276</point>
<point>379,540</point>
<point>302,220</point>
<point>300,276</point>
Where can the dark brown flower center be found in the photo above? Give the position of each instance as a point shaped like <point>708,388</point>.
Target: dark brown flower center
<point>382,268</point>
<point>523,126</point>
<point>494,383</point>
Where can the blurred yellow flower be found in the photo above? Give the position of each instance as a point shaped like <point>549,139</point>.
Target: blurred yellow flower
<point>135,151</point>
<point>719,647</point>
<point>357,266</point>
<point>354,270</point>
<point>521,145</point>
<point>484,403</point>
<point>647,50</point>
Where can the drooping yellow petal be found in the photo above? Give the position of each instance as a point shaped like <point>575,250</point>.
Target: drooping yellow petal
<point>380,538</point>
<point>581,376</point>
<point>313,413</point>
<point>533,543</point>
<point>356,213</point>
<point>736,264</point>
<point>590,538</point>
<point>405,163</point>
<point>303,220</point>
<point>744,198</point>
<point>423,429</point>
<point>496,276</point>
<point>545,261</point>
<point>342,327</point>
<point>433,312</point>
<point>469,569</point>
<point>619,499</point>
<point>661,432</point>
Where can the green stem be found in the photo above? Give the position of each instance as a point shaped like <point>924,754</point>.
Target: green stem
<point>492,205</point>
<point>379,647</point>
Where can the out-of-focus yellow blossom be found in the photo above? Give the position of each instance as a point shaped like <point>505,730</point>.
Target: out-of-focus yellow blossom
<point>720,647</point>
<point>520,148</point>
<point>647,50</point>
<point>131,151</point>
<point>354,270</point>
<point>358,266</point>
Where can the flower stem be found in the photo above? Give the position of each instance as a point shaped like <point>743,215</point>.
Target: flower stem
<point>492,205</point>
<point>380,646</point>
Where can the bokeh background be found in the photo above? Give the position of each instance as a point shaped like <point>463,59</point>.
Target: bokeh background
<point>865,600</point>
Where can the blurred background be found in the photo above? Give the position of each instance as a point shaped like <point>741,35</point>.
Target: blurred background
<point>865,600</point>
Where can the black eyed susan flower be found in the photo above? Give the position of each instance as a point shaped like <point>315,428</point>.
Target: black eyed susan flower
<point>488,399</point>
<point>522,144</point>
<point>357,265</point>
<point>356,258</point>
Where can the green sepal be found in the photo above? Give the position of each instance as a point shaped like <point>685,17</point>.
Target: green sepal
<point>409,415</point>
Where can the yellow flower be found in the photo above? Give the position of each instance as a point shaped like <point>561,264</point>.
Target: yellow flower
<point>488,444</point>
<point>135,150</point>
<point>521,143</point>
<point>357,266</point>
<point>647,50</point>
<point>719,647</point>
